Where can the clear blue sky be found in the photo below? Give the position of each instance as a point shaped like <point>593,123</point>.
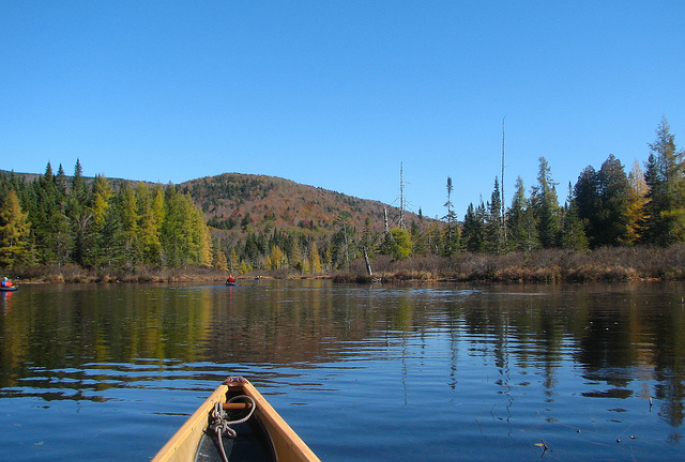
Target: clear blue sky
<point>337,94</point>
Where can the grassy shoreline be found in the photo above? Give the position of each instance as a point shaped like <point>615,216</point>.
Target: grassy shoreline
<point>606,264</point>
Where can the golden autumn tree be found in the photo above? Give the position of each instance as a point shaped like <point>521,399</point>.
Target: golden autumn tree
<point>220,261</point>
<point>14,232</point>
<point>315,265</point>
<point>637,200</point>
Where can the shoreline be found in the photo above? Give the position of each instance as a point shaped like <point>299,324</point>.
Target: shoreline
<point>606,264</point>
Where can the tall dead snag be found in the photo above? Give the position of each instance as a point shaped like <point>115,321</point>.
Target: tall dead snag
<point>504,220</point>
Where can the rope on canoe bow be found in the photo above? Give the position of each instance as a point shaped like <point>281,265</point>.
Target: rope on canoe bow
<point>221,424</point>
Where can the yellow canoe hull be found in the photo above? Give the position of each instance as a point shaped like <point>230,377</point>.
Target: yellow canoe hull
<point>287,445</point>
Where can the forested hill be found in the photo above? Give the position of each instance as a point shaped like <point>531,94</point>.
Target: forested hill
<point>240,223</point>
<point>262,204</point>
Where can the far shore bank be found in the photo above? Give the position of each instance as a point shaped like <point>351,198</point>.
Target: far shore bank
<point>606,264</point>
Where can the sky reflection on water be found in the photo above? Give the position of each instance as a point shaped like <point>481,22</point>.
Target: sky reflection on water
<point>361,372</point>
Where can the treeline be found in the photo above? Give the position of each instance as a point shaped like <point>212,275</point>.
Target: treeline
<point>56,220</point>
<point>606,207</point>
<point>104,224</point>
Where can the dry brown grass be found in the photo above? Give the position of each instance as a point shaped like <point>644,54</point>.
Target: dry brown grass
<point>605,264</point>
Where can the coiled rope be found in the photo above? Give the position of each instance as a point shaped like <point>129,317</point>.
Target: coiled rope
<point>221,424</point>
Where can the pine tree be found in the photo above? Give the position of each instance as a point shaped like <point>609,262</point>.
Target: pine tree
<point>587,202</point>
<point>546,207</point>
<point>110,241</point>
<point>418,238</point>
<point>612,215</point>
<point>51,228</point>
<point>473,231</point>
<point>343,240</point>
<point>61,179</point>
<point>572,230</point>
<point>494,236</point>
<point>520,222</point>
<point>128,212</point>
<point>452,234</point>
<point>665,219</point>
<point>648,224</point>
<point>78,212</point>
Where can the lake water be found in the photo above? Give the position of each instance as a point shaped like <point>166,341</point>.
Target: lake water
<point>440,372</point>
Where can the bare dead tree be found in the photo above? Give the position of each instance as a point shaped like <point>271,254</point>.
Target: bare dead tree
<point>504,220</point>
<point>401,221</point>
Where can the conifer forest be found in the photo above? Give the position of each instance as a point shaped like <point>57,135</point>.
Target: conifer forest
<point>612,223</point>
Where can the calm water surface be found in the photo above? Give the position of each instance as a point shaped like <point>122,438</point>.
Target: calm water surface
<point>363,373</point>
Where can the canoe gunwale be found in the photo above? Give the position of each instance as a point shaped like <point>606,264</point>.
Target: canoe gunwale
<point>288,446</point>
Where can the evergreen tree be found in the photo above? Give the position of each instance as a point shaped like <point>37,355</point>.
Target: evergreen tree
<point>612,216</point>
<point>572,230</point>
<point>473,231</point>
<point>368,237</point>
<point>61,179</point>
<point>251,251</point>
<point>343,240</point>
<point>77,212</point>
<point>51,229</point>
<point>648,224</point>
<point>328,256</point>
<point>452,233</point>
<point>546,207</point>
<point>494,236</point>
<point>665,219</point>
<point>520,222</point>
<point>128,212</point>
<point>587,202</point>
<point>110,242</point>
<point>417,237</point>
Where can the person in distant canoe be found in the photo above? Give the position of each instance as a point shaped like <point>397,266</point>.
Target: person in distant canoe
<point>230,280</point>
<point>6,283</point>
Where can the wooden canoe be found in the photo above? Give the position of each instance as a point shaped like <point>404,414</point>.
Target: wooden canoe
<point>265,436</point>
